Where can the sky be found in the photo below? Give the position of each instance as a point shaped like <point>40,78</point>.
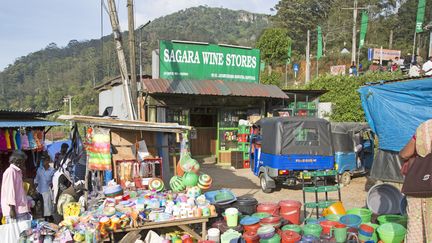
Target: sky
<point>29,26</point>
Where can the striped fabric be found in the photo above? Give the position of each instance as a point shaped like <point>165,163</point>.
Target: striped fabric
<point>419,220</point>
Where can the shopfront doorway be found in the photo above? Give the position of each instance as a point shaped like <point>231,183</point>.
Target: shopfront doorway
<point>203,138</point>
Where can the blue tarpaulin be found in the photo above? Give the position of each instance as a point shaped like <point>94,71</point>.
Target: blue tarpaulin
<point>395,109</point>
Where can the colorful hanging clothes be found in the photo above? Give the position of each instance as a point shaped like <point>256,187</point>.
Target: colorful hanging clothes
<point>3,146</point>
<point>25,145</point>
<point>8,142</point>
<point>12,139</point>
<point>99,151</point>
<point>38,136</point>
<point>31,140</point>
<point>18,140</point>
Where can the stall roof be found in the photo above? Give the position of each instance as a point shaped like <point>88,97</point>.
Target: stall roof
<point>7,123</point>
<point>9,114</point>
<point>213,88</point>
<point>302,93</point>
<point>126,124</point>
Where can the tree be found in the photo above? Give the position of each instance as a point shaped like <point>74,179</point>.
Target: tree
<point>274,44</point>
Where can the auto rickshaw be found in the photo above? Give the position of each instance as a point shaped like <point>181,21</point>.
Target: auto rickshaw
<point>283,147</point>
<point>354,149</point>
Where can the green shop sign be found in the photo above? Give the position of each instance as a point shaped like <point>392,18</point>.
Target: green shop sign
<point>191,61</point>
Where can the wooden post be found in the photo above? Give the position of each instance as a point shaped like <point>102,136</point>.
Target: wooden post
<point>132,57</point>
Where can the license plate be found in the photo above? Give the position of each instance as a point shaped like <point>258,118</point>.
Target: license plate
<point>301,176</point>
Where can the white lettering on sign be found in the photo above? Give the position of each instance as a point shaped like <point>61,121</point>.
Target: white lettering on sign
<point>213,58</point>
<point>181,56</point>
<point>240,61</point>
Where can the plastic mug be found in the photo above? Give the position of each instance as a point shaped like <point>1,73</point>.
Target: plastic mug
<point>339,232</point>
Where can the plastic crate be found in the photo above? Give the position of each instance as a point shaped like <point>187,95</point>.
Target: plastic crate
<point>246,156</point>
<point>242,138</point>
<point>243,130</point>
<point>312,113</point>
<point>302,105</point>
<point>311,105</point>
<point>246,164</point>
<point>243,147</point>
<point>301,112</point>
<point>291,105</point>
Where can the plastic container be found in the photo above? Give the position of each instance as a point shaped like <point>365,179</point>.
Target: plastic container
<point>335,208</point>
<point>271,220</point>
<point>333,217</point>
<point>289,236</point>
<point>232,215</point>
<point>391,233</point>
<point>327,226</point>
<point>384,199</point>
<point>274,239</point>
<point>268,207</point>
<point>230,235</point>
<point>290,210</point>
<point>351,220</point>
<point>292,227</point>
<point>249,220</point>
<point>266,232</point>
<point>261,215</point>
<point>213,234</point>
<point>246,205</point>
<point>374,235</point>
<point>391,218</point>
<point>365,232</point>
<point>364,213</point>
<point>311,221</point>
<point>251,236</point>
<point>252,227</point>
<point>312,229</point>
<point>220,208</point>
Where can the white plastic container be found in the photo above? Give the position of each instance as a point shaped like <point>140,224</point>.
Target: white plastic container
<point>213,234</point>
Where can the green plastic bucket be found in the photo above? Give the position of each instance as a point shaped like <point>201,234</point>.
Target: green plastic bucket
<point>312,229</point>
<point>232,215</point>
<point>374,235</point>
<point>292,227</point>
<point>333,217</point>
<point>393,218</point>
<point>364,213</point>
<point>391,232</point>
<point>275,239</point>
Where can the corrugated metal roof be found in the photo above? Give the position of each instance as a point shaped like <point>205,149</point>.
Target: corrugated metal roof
<point>126,124</point>
<point>213,87</point>
<point>4,113</point>
<point>28,123</point>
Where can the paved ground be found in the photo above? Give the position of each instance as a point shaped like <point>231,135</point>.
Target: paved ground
<point>243,183</point>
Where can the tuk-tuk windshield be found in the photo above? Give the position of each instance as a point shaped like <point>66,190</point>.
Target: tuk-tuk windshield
<point>306,137</point>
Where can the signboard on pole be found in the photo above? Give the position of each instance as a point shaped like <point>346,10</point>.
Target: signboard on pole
<point>370,54</point>
<point>338,70</point>
<point>296,69</point>
<point>385,54</point>
<point>201,61</point>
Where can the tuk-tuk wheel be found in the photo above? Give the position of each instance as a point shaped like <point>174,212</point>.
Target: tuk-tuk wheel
<point>345,178</point>
<point>264,186</point>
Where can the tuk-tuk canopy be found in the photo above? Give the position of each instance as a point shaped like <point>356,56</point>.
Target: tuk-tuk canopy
<point>296,135</point>
<point>346,135</point>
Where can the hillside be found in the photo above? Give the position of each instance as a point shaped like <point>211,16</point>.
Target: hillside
<point>41,79</point>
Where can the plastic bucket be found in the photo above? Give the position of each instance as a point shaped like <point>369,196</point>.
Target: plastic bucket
<point>365,232</point>
<point>391,218</point>
<point>384,199</point>
<point>275,239</point>
<point>251,236</point>
<point>351,220</point>
<point>268,207</point>
<point>213,234</point>
<point>364,213</point>
<point>252,227</point>
<point>335,208</point>
<point>292,227</point>
<point>374,235</point>
<point>327,226</point>
<point>246,205</point>
<point>311,221</point>
<point>312,229</point>
<point>290,210</point>
<point>232,217</point>
<point>289,236</point>
<point>391,233</point>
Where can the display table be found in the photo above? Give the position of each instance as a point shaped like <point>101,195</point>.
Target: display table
<point>181,223</point>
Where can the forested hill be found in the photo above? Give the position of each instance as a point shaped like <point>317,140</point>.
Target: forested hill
<point>41,79</point>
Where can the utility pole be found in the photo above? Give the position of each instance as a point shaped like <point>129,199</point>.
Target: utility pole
<point>307,76</point>
<point>354,35</point>
<point>121,58</point>
<point>391,40</point>
<point>132,55</point>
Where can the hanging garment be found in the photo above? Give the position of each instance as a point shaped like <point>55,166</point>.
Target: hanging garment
<point>99,151</point>
<point>14,133</point>
<point>31,140</point>
<point>8,142</point>
<point>25,145</point>
<point>12,138</point>
<point>3,145</point>
<point>18,140</point>
<point>38,135</point>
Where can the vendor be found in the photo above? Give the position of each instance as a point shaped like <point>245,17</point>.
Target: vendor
<point>43,182</point>
<point>14,203</point>
<point>60,155</point>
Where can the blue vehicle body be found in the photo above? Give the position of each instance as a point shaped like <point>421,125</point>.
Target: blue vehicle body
<point>283,147</point>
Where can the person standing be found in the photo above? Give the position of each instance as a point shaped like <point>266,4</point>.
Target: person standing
<point>427,67</point>
<point>419,208</point>
<point>43,183</point>
<point>415,70</point>
<point>14,202</point>
<point>60,155</point>
<point>353,69</point>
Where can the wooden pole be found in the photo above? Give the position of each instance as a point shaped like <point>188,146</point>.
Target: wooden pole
<point>132,55</point>
<point>121,57</point>
<point>307,76</point>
